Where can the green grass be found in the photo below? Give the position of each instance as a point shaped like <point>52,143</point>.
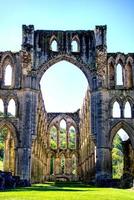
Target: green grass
<point>65,191</point>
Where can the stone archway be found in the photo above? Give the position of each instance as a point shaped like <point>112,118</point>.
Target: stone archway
<point>127,146</point>
<point>10,143</point>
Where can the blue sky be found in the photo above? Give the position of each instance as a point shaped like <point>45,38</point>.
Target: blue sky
<point>118,15</point>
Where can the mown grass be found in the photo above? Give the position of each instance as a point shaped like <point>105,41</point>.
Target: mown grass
<point>52,191</point>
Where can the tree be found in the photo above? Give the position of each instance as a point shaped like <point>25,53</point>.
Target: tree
<point>117,157</point>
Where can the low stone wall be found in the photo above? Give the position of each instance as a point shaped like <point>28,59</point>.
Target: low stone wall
<point>7,181</point>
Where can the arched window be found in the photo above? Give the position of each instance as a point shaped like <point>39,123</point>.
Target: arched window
<point>62,136</point>
<point>72,138</point>
<point>11,108</point>
<point>1,107</point>
<point>8,76</point>
<point>53,137</point>
<point>116,110</point>
<point>54,46</point>
<point>119,75</point>
<point>62,164</point>
<point>74,166</point>
<point>128,76</point>
<point>75,46</point>
<point>118,153</point>
<point>7,150</point>
<point>127,110</point>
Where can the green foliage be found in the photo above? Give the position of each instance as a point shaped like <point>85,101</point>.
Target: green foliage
<point>63,138</point>
<point>66,191</point>
<point>1,114</point>
<point>117,157</point>
<point>3,134</point>
<point>52,165</point>
<point>72,138</point>
<point>53,138</point>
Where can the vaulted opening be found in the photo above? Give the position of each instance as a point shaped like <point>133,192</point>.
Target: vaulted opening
<point>120,153</point>
<point>7,150</point>
<point>119,75</point>
<point>8,76</point>
<point>11,108</point>
<point>116,112</point>
<point>75,46</point>
<point>72,138</point>
<point>63,135</point>
<point>63,87</point>
<point>54,45</point>
<point>127,110</point>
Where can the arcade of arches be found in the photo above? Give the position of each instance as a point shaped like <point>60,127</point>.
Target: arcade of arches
<point>40,146</point>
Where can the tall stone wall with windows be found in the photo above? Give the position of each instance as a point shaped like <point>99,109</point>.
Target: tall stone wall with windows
<point>107,108</point>
<point>87,146</point>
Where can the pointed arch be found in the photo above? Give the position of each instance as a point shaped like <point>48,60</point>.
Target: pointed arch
<point>127,110</point>
<point>11,108</point>
<point>116,111</point>
<point>72,138</point>
<point>119,74</point>
<point>10,142</point>
<point>127,127</point>
<point>75,44</point>
<point>63,134</point>
<point>8,75</point>
<point>53,44</point>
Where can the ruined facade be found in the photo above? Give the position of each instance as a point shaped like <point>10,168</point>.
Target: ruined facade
<point>28,152</point>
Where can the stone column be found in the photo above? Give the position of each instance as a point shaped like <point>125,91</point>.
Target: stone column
<point>68,165</point>
<point>57,165</point>
<point>104,163</point>
<point>24,163</point>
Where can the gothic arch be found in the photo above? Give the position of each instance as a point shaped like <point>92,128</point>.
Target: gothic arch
<point>124,125</point>
<point>52,39</point>
<point>12,128</point>
<point>64,57</point>
<point>15,99</point>
<point>120,58</point>
<point>111,103</point>
<point>75,39</point>
<point>7,59</point>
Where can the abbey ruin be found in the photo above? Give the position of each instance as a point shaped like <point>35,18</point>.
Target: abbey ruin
<point>28,150</point>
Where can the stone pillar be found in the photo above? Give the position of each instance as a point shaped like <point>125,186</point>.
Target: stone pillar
<point>24,163</point>
<point>48,165</point>
<point>104,163</point>
<point>57,166</point>
<point>68,165</point>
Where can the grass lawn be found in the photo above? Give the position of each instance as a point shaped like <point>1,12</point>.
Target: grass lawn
<point>51,191</point>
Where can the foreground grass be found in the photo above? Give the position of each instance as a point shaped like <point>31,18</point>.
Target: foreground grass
<point>65,191</point>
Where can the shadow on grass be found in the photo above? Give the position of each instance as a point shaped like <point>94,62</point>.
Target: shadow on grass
<point>52,187</point>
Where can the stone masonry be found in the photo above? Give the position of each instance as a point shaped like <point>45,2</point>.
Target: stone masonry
<point>95,127</point>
